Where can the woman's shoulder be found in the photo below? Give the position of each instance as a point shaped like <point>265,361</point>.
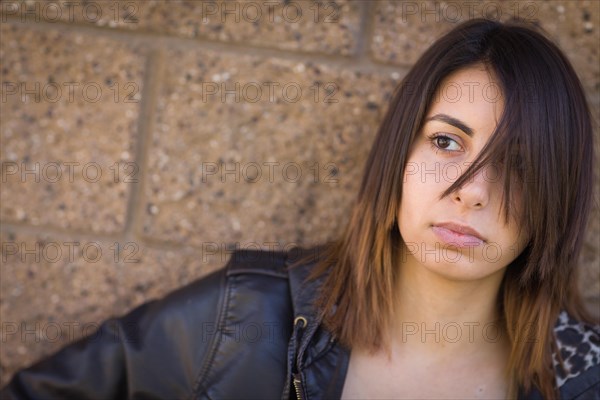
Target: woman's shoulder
<point>577,357</point>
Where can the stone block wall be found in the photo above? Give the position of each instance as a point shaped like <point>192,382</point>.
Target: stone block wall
<point>143,140</point>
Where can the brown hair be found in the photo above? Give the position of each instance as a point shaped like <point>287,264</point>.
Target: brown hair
<point>543,139</point>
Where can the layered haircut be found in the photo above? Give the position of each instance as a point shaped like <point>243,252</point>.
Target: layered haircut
<point>543,144</point>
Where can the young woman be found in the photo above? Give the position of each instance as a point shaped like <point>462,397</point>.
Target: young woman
<point>471,215</point>
<point>454,278</point>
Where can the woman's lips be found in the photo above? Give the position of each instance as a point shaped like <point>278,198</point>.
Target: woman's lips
<point>459,236</point>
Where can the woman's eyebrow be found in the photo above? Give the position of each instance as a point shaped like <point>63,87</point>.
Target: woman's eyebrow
<point>452,121</point>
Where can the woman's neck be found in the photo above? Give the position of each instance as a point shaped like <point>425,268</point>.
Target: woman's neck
<point>433,313</point>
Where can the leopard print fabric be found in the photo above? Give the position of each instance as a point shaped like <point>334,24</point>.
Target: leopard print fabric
<point>579,347</point>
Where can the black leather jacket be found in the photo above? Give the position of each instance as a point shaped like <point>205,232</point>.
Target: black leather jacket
<point>246,331</point>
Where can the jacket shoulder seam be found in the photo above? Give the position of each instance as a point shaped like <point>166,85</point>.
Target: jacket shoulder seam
<point>241,271</point>
<point>259,262</point>
<point>585,390</point>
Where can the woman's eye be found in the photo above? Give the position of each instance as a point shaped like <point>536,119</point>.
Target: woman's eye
<point>445,143</point>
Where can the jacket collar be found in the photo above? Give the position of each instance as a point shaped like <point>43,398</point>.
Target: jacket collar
<point>304,292</point>
<point>317,363</point>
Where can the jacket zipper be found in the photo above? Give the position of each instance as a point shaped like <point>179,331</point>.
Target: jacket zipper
<point>300,323</point>
<point>298,386</point>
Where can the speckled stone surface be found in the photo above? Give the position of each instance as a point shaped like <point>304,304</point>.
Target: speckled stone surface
<point>64,288</point>
<point>575,26</point>
<point>403,30</point>
<point>53,287</point>
<point>68,146</point>
<point>257,168</point>
<point>150,273</point>
<point>323,26</point>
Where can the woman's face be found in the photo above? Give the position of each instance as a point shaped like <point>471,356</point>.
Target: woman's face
<point>463,236</point>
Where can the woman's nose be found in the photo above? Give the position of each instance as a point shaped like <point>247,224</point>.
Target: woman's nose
<point>475,193</point>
